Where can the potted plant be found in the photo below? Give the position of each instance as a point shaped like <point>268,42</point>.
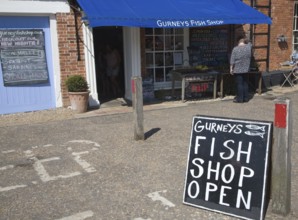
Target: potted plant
<point>78,92</point>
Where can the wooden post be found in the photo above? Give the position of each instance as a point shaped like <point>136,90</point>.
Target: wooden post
<point>215,87</point>
<point>260,79</point>
<point>221,85</point>
<point>183,89</point>
<point>281,158</point>
<point>137,102</point>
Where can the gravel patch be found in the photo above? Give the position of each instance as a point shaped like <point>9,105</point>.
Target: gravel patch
<point>36,117</point>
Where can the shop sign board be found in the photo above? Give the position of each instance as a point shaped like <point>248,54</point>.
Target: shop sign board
<point>228,166</point>
<point>23,57</point>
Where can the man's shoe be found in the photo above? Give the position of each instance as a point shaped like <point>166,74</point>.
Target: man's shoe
<point>237,101</point>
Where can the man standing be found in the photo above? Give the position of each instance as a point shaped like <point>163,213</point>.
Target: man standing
<point>239,66</point>
<point>113,60</point>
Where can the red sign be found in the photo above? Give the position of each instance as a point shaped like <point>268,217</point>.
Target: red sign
<point>280,119</point>
<point>199,87</point>
<point>133,86</point>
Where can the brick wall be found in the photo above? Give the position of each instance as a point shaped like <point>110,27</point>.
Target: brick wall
<point>282,24</point>
<point>71,58</point>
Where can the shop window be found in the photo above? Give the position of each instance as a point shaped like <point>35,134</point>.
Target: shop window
<point>295,28</point>
<point>164,51</point>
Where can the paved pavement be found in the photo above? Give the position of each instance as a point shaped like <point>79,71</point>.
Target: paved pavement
<point>92,168</point>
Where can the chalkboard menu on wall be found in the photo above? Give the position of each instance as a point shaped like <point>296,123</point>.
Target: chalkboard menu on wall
<point>208,46</point>
<point>227,166</point>
<point>23,58</point>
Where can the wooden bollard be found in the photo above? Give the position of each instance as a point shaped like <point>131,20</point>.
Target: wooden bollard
<point>281,158</point>
<point>137,103</point>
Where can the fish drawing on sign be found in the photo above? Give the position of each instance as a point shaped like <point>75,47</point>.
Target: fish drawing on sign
<point>255,133</point>
<point>255,127</point>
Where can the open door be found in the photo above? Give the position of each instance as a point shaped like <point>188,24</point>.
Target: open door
<point>109,62</point>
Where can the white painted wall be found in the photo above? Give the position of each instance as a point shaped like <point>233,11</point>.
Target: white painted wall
<point>90,65</point>
<point>56,60</point>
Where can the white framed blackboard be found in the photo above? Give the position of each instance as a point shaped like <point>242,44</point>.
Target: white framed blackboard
<point>227,166</point>
<point>23,57</point>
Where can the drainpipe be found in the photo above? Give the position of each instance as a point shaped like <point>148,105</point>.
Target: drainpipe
<point>75,8</point>
<point>77,34</point>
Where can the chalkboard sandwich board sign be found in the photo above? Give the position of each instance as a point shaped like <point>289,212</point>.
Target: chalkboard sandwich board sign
<point>228,166</point>
<point>23,56</point>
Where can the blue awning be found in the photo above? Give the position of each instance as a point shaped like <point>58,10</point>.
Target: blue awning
<point>170,13</point>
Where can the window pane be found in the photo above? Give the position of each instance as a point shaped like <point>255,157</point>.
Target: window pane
<point>148,31</point>
<point>178,58</point>
<point>169,31</point>
<point>169,59</point>
<point>159,75</point>
<point>159,44</point>
<point>159,61</point>
<point>149,60</point>
<point>168,78</point>
<point>149,43</point>
<point>169,43</point>
<point>295,37</point>
<point>295,24</point>
<point>179,31</point>
<point>179,43</point>
<point>149,75</point>
<point>158,31</point>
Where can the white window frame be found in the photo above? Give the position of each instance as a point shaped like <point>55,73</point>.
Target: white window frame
<point>179,53</point>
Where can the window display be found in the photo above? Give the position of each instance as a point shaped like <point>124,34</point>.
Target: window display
<point>164,51</point>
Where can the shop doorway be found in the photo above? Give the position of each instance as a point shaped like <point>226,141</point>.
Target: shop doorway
<point>108,46</point>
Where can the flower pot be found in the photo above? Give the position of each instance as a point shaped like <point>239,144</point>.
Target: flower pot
<point>79,101</point>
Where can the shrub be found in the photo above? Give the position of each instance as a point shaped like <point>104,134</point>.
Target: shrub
<point>76,83</point>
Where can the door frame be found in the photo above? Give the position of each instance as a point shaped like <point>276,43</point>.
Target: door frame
<point>131,57</point>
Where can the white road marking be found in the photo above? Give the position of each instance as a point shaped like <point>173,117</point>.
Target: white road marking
<point>78,216</point>
<point>85,142</point>
<point>7,188</point>
<point>155,196</point>
<point>83,163</point>
<point>142,219</point>
<point>8,151</point>
<point>48,145</point>
<point>29,153</point>
<point>41,170</point>
<point>43,174</point>
<point>3,189</point>
<point>6,167</point>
